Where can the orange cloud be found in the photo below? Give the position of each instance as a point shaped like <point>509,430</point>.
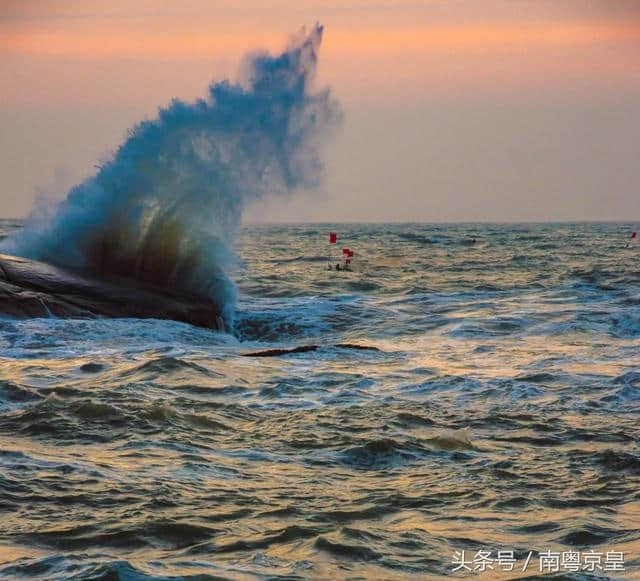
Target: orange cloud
<point>114,44</point>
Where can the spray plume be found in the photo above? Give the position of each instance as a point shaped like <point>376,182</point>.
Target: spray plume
<point>165,208</point>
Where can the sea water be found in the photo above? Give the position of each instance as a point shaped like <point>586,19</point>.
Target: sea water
<point>498,412</point>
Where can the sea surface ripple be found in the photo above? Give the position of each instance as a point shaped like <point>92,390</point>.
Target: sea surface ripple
<point>499,411</point>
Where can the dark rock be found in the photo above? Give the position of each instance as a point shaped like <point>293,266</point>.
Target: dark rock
<point>34,289</point>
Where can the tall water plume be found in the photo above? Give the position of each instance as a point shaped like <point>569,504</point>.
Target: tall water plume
<point>165,208</point>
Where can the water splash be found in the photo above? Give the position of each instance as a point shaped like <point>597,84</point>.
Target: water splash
<point>166,207</point>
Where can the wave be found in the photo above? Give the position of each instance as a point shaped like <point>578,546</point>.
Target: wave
<point>463,240</point>
<point>381,453</point>
<point>317,258</point>
<point>165,208</point>
<point>418,238</point>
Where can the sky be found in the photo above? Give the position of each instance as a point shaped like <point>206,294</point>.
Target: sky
<point>454,110</point>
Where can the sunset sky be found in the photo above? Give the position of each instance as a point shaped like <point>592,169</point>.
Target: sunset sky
<point>454,110</point>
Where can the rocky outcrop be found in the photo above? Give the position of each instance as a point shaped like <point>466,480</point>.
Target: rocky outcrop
<point>29,288</point>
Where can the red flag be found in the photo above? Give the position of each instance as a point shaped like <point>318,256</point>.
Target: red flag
<point>333,237</point>
<point>634,234</point>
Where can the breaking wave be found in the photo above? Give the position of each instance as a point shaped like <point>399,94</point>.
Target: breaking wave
<point>165,208</point>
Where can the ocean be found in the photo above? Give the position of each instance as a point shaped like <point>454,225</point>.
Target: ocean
<point>493,412</point>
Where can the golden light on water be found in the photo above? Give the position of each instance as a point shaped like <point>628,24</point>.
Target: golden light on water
<point>466,386</point>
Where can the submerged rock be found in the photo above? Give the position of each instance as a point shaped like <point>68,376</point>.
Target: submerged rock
<point>306,349</point>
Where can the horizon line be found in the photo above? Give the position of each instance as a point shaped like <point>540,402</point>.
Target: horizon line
<point>425,222</point>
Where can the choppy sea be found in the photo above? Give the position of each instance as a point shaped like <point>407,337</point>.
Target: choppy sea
<point>497,415</point>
